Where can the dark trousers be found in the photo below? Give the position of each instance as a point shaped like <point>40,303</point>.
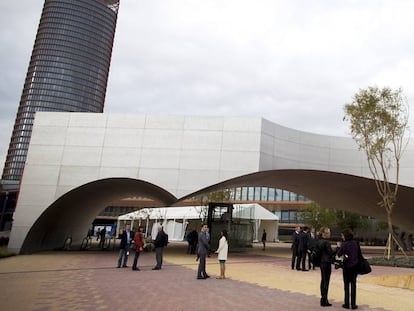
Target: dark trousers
<point>303,259</point>
<point>350,277</point>
<point>123,257</point>
<point>134,264</point>
<point>296,258</point>
<point>326,269</point>
<point>158,256</point>
<point>201,273</point>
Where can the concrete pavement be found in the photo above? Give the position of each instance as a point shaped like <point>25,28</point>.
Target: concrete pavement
<point>256,280</point>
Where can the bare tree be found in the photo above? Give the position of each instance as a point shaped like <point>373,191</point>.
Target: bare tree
<point>379,121</point>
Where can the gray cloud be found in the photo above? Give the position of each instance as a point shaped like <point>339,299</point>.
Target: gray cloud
<point>294,63</point>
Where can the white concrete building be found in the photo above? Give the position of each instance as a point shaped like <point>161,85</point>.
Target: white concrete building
<point>80,162</point>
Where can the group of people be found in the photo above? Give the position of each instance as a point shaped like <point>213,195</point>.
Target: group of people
<point>304,241</point>
<point>129,240</point>
<point>136,242</point>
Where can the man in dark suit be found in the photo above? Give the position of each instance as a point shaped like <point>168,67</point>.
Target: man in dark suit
<point>295,249</point>
<point>127,236</point>
<point>161,240</point>
<point>202,252</point>
<point>303,246</point>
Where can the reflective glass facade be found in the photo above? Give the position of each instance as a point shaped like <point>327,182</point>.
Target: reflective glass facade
<point>264,194</point>
<point>68,69</point>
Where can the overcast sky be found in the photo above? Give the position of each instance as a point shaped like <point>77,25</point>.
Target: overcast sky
<point>295,63</point>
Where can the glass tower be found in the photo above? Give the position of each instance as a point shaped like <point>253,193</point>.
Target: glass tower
<point>68,69</point>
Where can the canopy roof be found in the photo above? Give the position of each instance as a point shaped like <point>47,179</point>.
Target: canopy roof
<point>246,211</point>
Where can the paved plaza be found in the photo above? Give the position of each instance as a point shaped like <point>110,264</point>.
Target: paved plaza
<point>257,280</point>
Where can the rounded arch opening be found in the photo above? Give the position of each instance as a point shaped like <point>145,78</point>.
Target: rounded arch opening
<point>72,214</point>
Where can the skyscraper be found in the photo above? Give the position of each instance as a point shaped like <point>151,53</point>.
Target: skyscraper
<point>68,69</point>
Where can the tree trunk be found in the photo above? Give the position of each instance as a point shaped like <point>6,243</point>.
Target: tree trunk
<point>390,248</point>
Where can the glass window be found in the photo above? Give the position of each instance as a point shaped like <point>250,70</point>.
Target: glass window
<point>244,194</point>
<point>257,191</point>
<point>278,195</point>
<point>263,195</point>
<point>285,195</point>
<point>250,196</point>
<point>237,196</point>
<point>271,194</point>
<point>284,216</point>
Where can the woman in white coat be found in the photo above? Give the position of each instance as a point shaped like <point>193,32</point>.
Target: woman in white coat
<point>222,251</point>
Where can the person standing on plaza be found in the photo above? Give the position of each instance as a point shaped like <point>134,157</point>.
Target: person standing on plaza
<point>102,235</point>
<point>349,250</point>
<point>202,252</point>
<point>264,237</point>
<point>126,239</point>
<point>139,246</point>
<point>327,255</point>
<point>161,240</point>
<point>303,247</point>
<point>222,252</point>
<point>311,245</point>
<point>295,249</point>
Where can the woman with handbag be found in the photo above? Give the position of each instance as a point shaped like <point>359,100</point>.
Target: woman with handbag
<point>139,246</point>
<point>349,250</point>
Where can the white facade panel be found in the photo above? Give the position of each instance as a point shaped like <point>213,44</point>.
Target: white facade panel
<point>169,122</point>
<point>240,161</point>
<point>53,119</point>
<point>156,138</point>
<point>82,156</point>
<point>122,172</point>
<point>121,157</point>
<point>125,121</point>
<point>242,124</point>
<point>200,160</point>
<point>39,196</point>
<point>75,136</point>
<point>45,155</point>
<point>81,119</point>
<point>54,135</point>
<point>78,175</point>
<point>42,174</point>
<point>122,137</point>
<point>160,158</point>
<point>202,140</point>
<point>164,178</point>
<point>203,123</point>
<point>241,141</point>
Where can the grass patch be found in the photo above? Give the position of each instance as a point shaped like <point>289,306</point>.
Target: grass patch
<point>4,253</point>
<point>403,262</point>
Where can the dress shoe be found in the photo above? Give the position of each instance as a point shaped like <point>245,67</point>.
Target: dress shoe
<point>136,269</point>
<point>345,306</point>
<point>156,268</point>
<point>354,307</point>
<point>207,276</point>
<point>200,278</point>
<point>124,266</point>
<point>305,270</point>
<point>325,303</point>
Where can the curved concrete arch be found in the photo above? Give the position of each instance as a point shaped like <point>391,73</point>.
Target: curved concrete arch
<point>330,190</point>
<point>72,213</point>
<point>183,154</point>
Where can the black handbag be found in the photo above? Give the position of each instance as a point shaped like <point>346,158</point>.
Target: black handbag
<point>363,265</point>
